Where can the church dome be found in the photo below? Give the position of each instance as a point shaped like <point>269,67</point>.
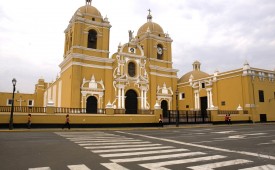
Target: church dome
<point>90,10</point>
<point>195,74</point>
<point>150,26</point>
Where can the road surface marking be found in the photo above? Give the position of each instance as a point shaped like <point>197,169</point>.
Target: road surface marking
<point>132,149</point>
<point>160,165</point>
<point>78,167</point>
<point>263,167</point>
<point>211,166</point>
<point>41,168</point>
<point>225,132</point>
<point>236,137</point>
<point>98,139</point>
<point>115,143</point>
<point>106,141</point>
<point>203,146</point>
<point>157,157</point>
<point>113,166</point>
<point>142,153</point>
<point>120,146</point>
<point>268,143</point>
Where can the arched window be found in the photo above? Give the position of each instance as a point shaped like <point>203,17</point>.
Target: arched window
<point>131,69</point>
<point>159,52</point>
<point>92,39</point>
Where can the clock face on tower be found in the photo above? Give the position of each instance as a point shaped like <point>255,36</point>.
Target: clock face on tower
<point>159,50</point>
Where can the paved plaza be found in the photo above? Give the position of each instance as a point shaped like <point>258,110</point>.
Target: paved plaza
<point>244,147</point>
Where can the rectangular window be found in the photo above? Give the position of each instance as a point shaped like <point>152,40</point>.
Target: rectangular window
<point>9,102</point>
<point>274,96</point>
<point>261,96</point>
<point>187,106</point>
<point>30,102</point>
<point>223,103</point>
<point>182,96</point>
<point>203,85</point>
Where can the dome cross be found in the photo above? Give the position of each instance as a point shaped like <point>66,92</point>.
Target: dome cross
<point>149,17</point>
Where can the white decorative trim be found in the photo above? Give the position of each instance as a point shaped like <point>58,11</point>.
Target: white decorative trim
<point>154,67</point>
<point>90,49</point>
<point>131,55</point>
<point>92,65</point>
<point>84,57</point>
<point>86,65</point>
<point>151,35</point>
<point>59,98</point>
<point>161,61</point>
<point>163,75</point>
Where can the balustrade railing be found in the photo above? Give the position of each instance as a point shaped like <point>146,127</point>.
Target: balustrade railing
<point>23,109</point>
<point>224,112</point>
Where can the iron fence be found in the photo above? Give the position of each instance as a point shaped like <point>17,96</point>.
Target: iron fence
<point>186,116</point>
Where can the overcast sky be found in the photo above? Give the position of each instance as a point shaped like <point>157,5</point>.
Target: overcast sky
<point>221,34</point>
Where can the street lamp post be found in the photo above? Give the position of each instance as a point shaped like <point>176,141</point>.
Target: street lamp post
<point>12,104</point>
<point>177,108</point>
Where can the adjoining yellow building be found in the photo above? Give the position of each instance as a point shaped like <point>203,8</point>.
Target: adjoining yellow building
<point>140,77</point>
<point>248,94</point>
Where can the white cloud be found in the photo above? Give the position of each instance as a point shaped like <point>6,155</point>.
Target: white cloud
<point>220,34</point>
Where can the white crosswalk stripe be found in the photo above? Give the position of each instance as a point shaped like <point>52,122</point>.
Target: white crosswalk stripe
<point>211,166</point>
<point>114,143</point>
<point>120,146</point>
<point>41,168</point>
<point>133,149</point>
<point>179,155</point>
<point>78,167</point>
<point>141,153</point>
<point>263,167</point>
<point>121,149</point>
<point>160,165</point>
<point>114,166</point>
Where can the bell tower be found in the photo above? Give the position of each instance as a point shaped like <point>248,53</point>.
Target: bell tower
<point>157,49</point>
<point>86,54</point>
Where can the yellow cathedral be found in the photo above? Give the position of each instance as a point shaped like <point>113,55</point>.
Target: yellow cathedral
<point>132,79</point>
<point>140,77</point>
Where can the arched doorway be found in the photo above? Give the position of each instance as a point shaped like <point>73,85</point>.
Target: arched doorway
<point>131,102</point>
<point>91,105</point>
<point>164,107</point>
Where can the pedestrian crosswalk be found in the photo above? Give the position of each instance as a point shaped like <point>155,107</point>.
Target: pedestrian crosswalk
<point>123,151</point>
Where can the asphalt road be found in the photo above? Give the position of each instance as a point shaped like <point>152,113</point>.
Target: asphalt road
<point>211,147</point>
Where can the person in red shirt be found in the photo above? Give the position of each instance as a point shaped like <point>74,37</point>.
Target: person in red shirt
<point>67,122</point>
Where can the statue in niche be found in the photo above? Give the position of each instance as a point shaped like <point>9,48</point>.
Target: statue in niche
<point>130,35</point>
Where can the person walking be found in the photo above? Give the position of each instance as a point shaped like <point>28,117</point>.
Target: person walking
<point>229,119</point>
<point>29,121</point>
<point>160,120</point>
<point>226,119</point>
<point>67,122</point>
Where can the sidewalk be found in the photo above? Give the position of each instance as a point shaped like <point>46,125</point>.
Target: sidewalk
<point>165,127</point>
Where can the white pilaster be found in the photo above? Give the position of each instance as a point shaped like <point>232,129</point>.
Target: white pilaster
<point>119,98</point>
<point>123,98</point>
<point>145,96</point>
<point>142,107</point>
<point>197,100</point>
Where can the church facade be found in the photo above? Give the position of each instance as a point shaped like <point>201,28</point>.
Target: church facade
<point>137,77</point>
<point>140,77</point>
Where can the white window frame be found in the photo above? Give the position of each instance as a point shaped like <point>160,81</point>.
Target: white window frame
<point>8,102</point>
<point>181,96</point>
<point>31,101</point>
